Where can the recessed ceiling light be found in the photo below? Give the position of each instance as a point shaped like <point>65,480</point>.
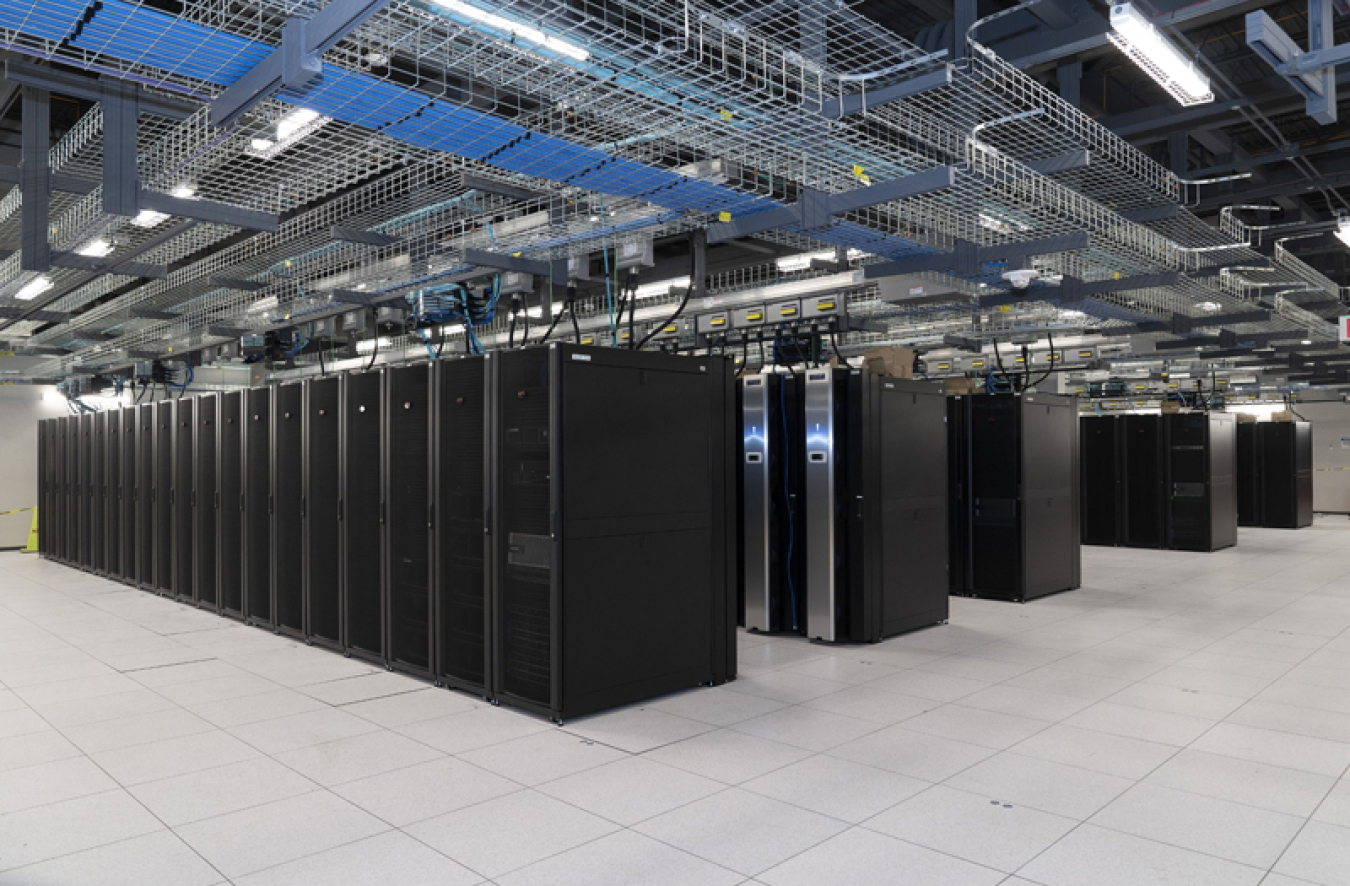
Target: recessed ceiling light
<point>96,248</point>
<point>148,218</point>
<point>33,288</point>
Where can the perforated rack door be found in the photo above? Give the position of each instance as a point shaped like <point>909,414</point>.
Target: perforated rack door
<point>409,510</point>
<point>323,600</point>
<point>112,492</point>
<point>461,543</point>
<point>86,512</point>
<point>98,493</point>
<point>184,428</point>
<point>229,515</point>
<point>43,483</point>
<point>257,529</point>
<point>523,641</point>
<point>70,442</point>
<point>126,505</point>
<point>363,505</point>
<point>163,496</point>
<point>204,499</point>
<point>288,492</point>
<point>145,495</point>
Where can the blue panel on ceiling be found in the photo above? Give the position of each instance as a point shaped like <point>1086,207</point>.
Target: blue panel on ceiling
<point>47,19</point>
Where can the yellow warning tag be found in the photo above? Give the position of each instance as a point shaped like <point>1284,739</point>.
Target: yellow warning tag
<point>1005,308</point>
<point>724,216</point>
<point>861,175</point>
<point>725,114</point>
<point>287,317</point>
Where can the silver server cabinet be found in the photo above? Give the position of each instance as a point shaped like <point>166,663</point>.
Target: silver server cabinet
<point>256,535</point>
<point>98,495</point>
<point>772,530</point>
<point>320,504</point>
<point>363,515</point>
<point>146,420</point>
<point>126,504</point>
<point>163,496</point>
<point>462,447</point>
<point>181,499</point>
<point>86,507</point>
<point>230,504</point>
<point>288,514</point>
<point>408,528</point>
<point>112,493</point>
<point>205,500</point>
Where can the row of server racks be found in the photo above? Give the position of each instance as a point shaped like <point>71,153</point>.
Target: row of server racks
<point>844,504</point>
<point>546,527</point>
<point>1160,481</point>
<point>1014,495</point>
<point>1275,474</point>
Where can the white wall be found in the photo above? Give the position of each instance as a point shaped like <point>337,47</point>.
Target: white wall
<point>21,406</point>
<point>1330,424</point>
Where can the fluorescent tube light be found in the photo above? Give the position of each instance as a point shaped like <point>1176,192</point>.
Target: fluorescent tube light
<point>33,288</point>
<point>184,192</point>
<point>802,261</point>
<point>96,248</point>
<point>650,290</point>
<point>1160,58</point>
<point>1343,231</point>
<point>515,29</point>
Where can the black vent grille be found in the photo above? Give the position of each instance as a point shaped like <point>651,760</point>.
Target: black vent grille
<point>204,492</point>
<point>163,470</point>
<point>184,428</point>
<point>322,571</point>
<point>290,490</point>
<point>257,511</point>
<point>112,447</point>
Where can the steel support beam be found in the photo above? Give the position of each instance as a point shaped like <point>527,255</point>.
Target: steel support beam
<point>365,238</point>
<point>210,212</point>
<point>1066,162</point>
<point>36,180</point>
<point>121,179</point>
<point>297,61</point>
<point>503,262</point>
<point>836,108</point>
<point>152,314</point>
<point>966,258</point>
<point>67,184</point>
<point>79,86</point>
<point>813,208</point>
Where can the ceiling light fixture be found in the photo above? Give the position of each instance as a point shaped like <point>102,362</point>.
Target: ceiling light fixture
<point>148,218</point>
<point>33,288</point>
<point>515,29</point>
<point>1160,58</point>
<point>1343,230</point>
<point>96,248</point>
<point>290,129</point>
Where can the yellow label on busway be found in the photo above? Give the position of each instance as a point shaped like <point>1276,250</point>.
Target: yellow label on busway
<point>944,366</point>
<point>724,216</point>
<point>588,341</point>
<point>1005,308</point>
<point>1019,360</point>
<point>788,312</point>
<point>754,316</point>
<point>1222,381</point>
<point>824,305</point>
<point>717,321</point>
<point>1141,387</point>
<point>978,364</point>
<point>1053,357</point>
<point>1083,355</point>
<point>671,329</point>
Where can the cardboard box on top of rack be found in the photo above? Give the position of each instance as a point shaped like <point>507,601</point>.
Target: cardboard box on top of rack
<point>890,362</point>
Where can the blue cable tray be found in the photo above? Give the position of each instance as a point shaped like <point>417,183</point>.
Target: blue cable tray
<point>47,19</point>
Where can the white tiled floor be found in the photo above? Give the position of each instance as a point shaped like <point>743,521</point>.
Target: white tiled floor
<point>1182,719</point>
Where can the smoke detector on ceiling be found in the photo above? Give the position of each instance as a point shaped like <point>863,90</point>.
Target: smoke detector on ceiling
<point>1021,279</point>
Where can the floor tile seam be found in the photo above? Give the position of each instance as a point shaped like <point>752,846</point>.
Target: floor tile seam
<point>139,743</point>
<point>125,790</point>
<point>750,877</point>
<point>277,757</point>
<point>1311,816</point>
<point>1255,867</point>
<point>1228,719</point>
<point>1043,724</point>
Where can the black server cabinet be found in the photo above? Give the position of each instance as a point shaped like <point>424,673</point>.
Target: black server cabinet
<point>73,491</point>
<point>613,575</point>
<point>1286,473</point>
<point>408,479</point>
<point>146,423</point>
<point>1100,441</point>
<point>288,493</point>
<point>1202,490</point>
<point>126,511</point>
<point>320,504</point>
<point>163,497</point>
<point>181,500</point>
<point>772,592</point>
<point>1015,497</point>
<point>1247,475</point>
<point>462,551</point>
<point>86,507</point>
<point>876,505</point>
<point>98,494</point>
<point>206,501</point>
<point>257,506</point>
<point>363,515</point>
<point>230,509</point>
<point>44,484</point>
<point>112,486</point>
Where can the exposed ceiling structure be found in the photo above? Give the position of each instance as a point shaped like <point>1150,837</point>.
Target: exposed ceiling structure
<point>182,174</point>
